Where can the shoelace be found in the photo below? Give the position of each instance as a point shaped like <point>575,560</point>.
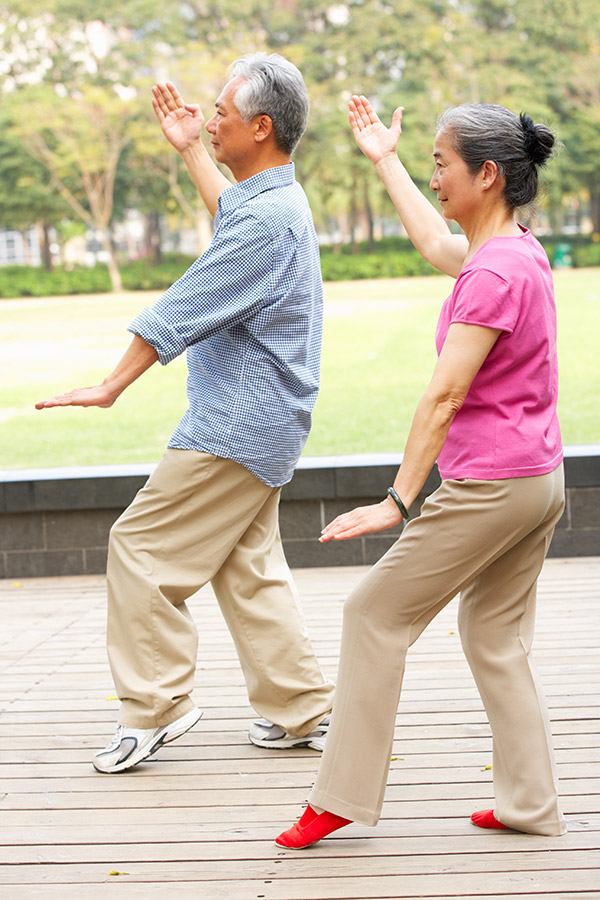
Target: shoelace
<point>117,738</point>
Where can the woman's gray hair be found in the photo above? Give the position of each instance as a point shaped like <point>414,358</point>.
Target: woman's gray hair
<point>274,87</point>
<point>482,131</point>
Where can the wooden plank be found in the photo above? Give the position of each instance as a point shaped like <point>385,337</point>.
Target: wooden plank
<point>120,890</point>
<point>256,824</point>
<point>244,803</point>
<point>150,841</point>
<point>296,772</point>
<point>540,865</point>
<point>243,787</point>
<point>202,816</point>
<point>271,886</point>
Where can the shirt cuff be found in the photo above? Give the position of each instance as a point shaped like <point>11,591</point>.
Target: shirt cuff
<point>155,331</point>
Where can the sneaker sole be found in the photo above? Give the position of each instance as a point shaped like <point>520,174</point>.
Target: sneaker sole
<point>162,738</point>
<point>315,743</point>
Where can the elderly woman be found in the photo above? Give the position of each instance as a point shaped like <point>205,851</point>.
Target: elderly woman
<point>489,418</point>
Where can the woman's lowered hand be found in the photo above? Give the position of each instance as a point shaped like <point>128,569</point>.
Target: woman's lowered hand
<point>362,520</point>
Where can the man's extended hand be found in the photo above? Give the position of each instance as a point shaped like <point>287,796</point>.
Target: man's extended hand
<point>181,122</point>
<point>138,357</point>
<point>100,395</point>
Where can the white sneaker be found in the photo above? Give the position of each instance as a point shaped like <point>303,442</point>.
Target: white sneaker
<point>265,734</point>
<point>130,746</point>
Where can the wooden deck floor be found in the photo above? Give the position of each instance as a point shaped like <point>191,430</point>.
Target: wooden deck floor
<point>199,820</point>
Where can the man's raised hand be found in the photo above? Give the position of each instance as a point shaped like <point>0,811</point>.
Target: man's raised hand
<point>181,122</point>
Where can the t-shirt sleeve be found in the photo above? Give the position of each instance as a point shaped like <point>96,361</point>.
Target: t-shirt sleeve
<point>482,297</point>
<point>227,285</point>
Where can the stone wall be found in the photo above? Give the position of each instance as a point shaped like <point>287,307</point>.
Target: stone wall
<point>56,521</point>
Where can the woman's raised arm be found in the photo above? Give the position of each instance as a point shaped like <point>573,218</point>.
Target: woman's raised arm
<point>424,225</point>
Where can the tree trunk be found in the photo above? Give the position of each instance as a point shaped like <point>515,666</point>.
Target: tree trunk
<point>557,219</point>
<point>595,208</point>
<point>26,247</point>
<point>44,231</point>
<point>369,217</point>
<point>113,268</point>
<point>203,231</point>
<point>153,237</point>
<point>353,219</point>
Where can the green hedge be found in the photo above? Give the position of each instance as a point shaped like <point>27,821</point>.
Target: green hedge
<point>141,276</point>
<point>27,281</point>
<point>343,267</point>
<point>587,255</point>
<point>393,258</point>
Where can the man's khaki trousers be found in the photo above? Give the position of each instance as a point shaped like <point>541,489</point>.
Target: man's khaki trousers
<point>202,518</point>
<point>488,540</point>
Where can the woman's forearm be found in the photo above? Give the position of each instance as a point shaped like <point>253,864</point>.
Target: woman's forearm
<point>463,353</point>
<point>425,226</point>
<point>426,438</point>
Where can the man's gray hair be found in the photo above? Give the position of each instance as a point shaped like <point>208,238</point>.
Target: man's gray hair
<point>274,87</point>
<point>482,131</point>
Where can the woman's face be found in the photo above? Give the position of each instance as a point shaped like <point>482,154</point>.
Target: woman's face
<point>456,186</point>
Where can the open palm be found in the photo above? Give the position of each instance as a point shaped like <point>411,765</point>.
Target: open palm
<point>374,139</point>
<point>181,122</point>
<point>98,395</point>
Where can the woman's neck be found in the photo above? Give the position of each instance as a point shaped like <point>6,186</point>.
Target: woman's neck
<point>497,223</point>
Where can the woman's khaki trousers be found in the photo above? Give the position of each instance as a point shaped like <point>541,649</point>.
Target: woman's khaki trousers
<point>202,518</point>
<point>487,540</point>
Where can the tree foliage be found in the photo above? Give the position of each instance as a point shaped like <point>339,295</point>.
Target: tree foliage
<point>77,81</point>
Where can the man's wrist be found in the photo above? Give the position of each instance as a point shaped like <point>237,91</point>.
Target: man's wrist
<point>194,149</point>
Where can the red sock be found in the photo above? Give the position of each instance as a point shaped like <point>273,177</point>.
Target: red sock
<point>486,819</point>
<point>307,816</point>
<point>310,829</point>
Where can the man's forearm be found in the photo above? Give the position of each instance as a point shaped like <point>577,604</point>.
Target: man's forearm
<point>205,175</point>
<point>138,357</point>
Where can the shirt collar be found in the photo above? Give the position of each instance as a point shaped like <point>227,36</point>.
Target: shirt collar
<point>234,196</point>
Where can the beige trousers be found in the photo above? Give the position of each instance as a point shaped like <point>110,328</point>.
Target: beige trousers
<point>202,518</point>
<point>488,540</point>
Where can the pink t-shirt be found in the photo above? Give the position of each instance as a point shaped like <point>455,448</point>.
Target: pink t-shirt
<point>507,426</point>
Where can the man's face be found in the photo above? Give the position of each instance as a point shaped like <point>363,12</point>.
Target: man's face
<point>232,139</point>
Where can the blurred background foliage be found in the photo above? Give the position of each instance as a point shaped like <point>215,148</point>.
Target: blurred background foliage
<point>79,144</point>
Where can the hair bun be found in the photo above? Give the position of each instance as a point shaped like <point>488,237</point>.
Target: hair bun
<point>538,140</point>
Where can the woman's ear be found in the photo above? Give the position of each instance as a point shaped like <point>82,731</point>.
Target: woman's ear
<point>489,173</point>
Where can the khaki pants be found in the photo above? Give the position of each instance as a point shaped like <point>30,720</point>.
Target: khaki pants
<point>202,518</point>
<point>487,540</point>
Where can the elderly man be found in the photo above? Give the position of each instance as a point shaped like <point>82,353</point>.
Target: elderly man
<point>248,313</point>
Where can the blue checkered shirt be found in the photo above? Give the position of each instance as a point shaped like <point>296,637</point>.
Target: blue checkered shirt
<point>249,314</point>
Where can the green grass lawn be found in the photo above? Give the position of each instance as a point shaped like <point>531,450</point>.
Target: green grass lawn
<point>378,355</point>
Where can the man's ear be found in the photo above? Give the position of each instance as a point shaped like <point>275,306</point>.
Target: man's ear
<point>263,127</point>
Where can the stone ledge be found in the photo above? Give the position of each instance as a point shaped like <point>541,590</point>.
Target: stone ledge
<point>56,521</point>
<point>327,477</point>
